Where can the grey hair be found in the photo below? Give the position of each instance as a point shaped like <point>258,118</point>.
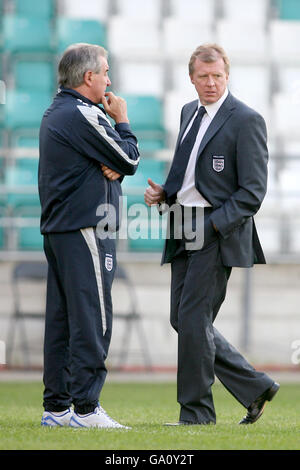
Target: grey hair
<point>78,59</point>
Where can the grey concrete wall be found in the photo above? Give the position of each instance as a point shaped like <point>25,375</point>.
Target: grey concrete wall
<point>274,323</point>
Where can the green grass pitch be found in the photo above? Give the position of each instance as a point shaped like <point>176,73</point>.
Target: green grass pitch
<point>145,407</point>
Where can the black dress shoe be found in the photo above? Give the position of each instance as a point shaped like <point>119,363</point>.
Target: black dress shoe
<point>256,408</point>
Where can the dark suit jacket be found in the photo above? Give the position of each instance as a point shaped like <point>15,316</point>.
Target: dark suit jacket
<point>231,173</point>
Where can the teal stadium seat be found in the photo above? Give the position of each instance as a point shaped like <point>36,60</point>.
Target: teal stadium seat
<point>150,229</point>
<point>2,101</point>
<point>30,238</point>
<point>25,140</point>
<point>1,138</point>
<point>134,187</point>
<point>35,75</point>
<point>39,8</point>
<point>288,9</point>
<point>21,184</point>
<point>145,112</point>
<point>147,121</point>
<point>1,55</point>
<point>27,34</point>
<point>28,164</point>
<point>3,195</point>
<point>148,168</point>
<point>149,233</point>
<point>2,236</point>
<point>1,172</point>
<point>24,205</point>
<point>25,109</point>
<point>2,143</point>
<point>2,157</point>
<point>148,147</point>
<point>1,119</point>
<point>71,30</point>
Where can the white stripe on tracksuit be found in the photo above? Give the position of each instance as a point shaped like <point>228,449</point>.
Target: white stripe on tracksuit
<point>90,238</point>
<point>91,114</point>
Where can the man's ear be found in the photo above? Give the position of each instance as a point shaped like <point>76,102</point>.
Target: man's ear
<point>87,78</point>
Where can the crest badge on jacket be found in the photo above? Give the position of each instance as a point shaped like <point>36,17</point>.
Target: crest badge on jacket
<point>218,163</point>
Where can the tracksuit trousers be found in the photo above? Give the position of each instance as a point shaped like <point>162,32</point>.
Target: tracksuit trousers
<point>78,323</point>
<point>198,288</point>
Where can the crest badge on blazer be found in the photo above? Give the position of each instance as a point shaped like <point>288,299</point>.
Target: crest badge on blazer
<point>218,163</point>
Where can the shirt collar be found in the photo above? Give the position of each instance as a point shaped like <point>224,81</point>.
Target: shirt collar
<point>213,108</point>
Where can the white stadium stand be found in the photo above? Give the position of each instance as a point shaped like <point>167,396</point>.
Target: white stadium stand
<point>284,42</point>
<point>182,36</point>
<point>289,80</point>
<point>244,42</point>
<point>179,79</point>
<point>150,44</point>
<point>286,116</point>
<point>87,9</point>
<point>201,10</point>
<point>136,9</point>
<point>173,103</point>
<point>134,38</point>
<point>140,77</point>
<point>255,12</point>
<point>241,80</point>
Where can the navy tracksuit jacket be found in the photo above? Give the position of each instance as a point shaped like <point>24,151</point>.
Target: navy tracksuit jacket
<point>76,137</point>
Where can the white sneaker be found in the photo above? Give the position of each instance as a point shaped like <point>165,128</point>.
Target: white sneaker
<point>97,419</point>
<point>53,418</point>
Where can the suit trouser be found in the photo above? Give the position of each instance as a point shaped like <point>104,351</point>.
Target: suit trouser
<point>198,288</point>
<point>78,318</point>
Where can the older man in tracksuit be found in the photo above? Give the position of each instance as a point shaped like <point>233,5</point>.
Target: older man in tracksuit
<point>83,159</point>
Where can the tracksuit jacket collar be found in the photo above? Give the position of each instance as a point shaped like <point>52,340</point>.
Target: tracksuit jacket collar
<point>69,91</point>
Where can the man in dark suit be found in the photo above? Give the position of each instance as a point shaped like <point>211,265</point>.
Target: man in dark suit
<point>219,167</point>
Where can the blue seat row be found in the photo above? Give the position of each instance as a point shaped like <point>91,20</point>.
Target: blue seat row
<point>288,9</point>
<point>22,202</point>
<point>32,34</point>
<point>25,107</point>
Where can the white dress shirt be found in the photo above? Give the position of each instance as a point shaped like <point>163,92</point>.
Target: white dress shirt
<point>188,195</point>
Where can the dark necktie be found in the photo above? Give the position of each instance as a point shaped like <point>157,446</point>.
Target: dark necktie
<point>180,161</point>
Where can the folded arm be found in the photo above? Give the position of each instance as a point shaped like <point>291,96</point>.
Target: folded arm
<point>114,147</point>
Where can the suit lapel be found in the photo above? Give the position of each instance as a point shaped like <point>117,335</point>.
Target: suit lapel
<point>222,115</point>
